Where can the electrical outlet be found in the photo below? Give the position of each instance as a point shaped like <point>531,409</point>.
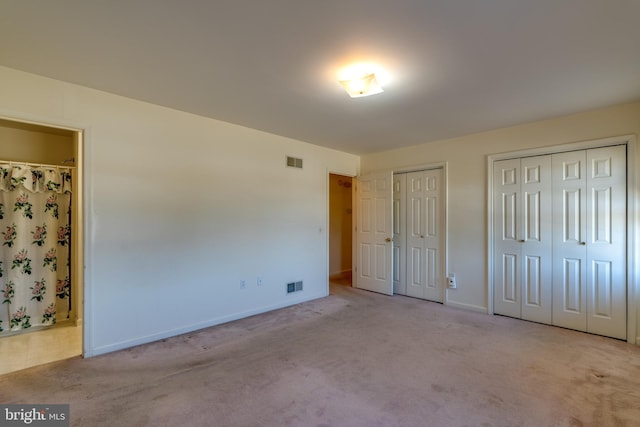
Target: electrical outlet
<point>259,281</point>
<point>451,281</point>
<point>243,284</point>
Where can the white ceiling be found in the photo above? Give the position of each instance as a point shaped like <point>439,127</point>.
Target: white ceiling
<point>454,66</point>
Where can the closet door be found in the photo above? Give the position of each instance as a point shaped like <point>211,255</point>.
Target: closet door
<point>569,240</point>
<point>522,238</point>
<point>506,244</point>
<point>606,281</point>
<point>589,277</point>
<point>416,260</point>
<point>606,242</point>
<point>434,235</point>
<point>399,234</point>
<point>425,235</point>
<point>535,238</point>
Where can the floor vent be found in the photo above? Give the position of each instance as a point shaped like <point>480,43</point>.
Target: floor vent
<point>294,162</point>
<point>294,287</point>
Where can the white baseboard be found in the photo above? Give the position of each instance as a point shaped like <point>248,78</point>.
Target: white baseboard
<point>470,307</point>
<point>195,327</point>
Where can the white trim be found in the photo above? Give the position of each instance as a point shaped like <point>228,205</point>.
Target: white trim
<point>423,167</point>
<point>445,194</point>
<point>445,201</point>
<point>563,148</point>
<point>40,121</point>
<point>446,272</point>
<point>633,216</point>
<point>468,307</point>
<point>490,290</point>
<point>196,326</point>
<point>83,171</point>
<point>89,237</point>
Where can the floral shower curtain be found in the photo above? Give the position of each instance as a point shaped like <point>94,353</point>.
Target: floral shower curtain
<point>35,286</point>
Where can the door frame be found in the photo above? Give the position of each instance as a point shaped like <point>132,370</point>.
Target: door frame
<point>444,262</point>
<point>80,222</point>
<point>445,202</point>
<point>353,175</point>
<point>633,216</point>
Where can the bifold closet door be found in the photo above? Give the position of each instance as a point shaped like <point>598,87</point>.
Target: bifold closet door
<point>399,234</point>
<point>424,236</point>
<point>522,238</point>
<point>507,249</point>
<point>589,241</point>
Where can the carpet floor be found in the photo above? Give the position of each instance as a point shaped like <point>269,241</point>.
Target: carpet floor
<point>354,358</point>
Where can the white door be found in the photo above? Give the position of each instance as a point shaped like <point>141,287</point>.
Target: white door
<point>590,222</point>
<point>374,233</point>
<point>569,239</point>
<point>507,248</point>
<point>425,235</point>
<point>536,238</point>
<point>399,234</point>
<point>522,238</point>
<point>607,242</point>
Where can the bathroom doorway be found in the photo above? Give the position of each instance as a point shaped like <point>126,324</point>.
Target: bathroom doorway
<point>41,147</point>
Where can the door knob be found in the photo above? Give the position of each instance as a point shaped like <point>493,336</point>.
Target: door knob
<point>388,239</point>
<point>521,241</point>
<point>583,243</point>
<point>421,236</point>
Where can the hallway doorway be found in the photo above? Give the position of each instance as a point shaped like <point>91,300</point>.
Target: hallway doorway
<point>340,229</point>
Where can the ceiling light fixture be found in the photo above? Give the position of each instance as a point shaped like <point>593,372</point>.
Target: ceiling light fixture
<point>362,86</point>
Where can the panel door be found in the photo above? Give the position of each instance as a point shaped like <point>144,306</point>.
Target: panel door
<point>399,234</point>
<point>522,238</point>
<point>434,235</point>
<point>425,225</point>
<point>374,233</point>
<point>606,283</point>
<point>534,234</point>
<point>415,235</point>
<point>506,244</point>
<point>569,240</point>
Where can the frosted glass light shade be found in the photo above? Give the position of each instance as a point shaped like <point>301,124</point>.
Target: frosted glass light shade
<point>362,86</point>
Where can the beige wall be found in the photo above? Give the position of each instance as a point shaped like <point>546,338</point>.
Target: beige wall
<point>181,209</point>
<point>467,181</point>
<point>22,143</point>
<point>340,224</point>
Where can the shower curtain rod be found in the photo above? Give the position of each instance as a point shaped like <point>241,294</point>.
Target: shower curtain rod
<point>38,165</point>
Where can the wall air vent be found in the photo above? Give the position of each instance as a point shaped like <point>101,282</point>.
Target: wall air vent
<point>294,287</point>
<point>294,162</point>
